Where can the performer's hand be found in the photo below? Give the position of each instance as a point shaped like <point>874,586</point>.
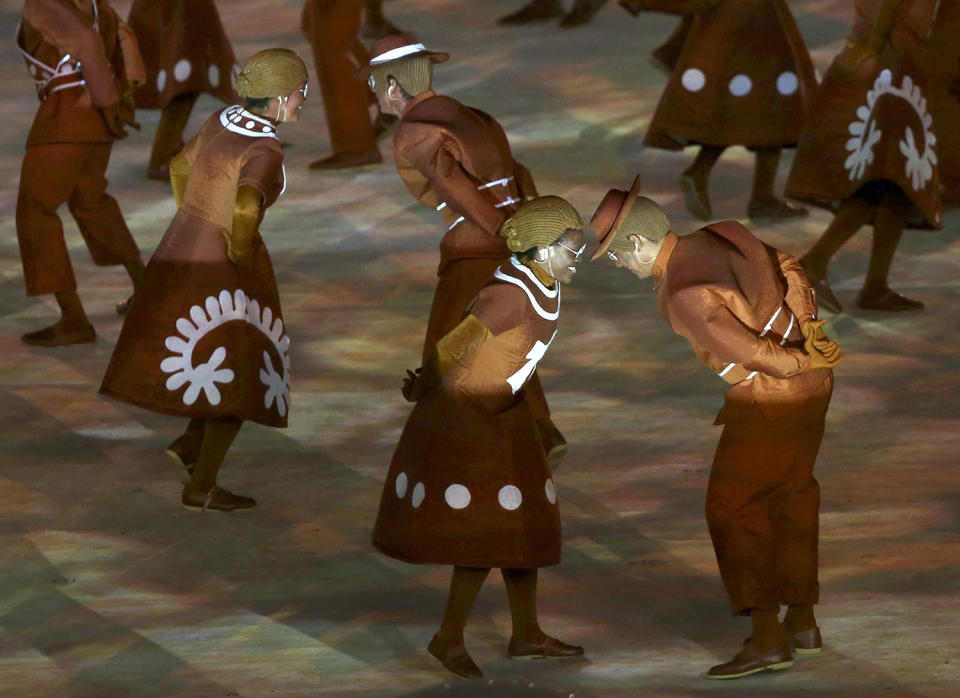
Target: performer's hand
<point>128,108</point>
<point>115,118</point>
<point>410,386</point>
<point>823,352</point>
<point>238,253</point>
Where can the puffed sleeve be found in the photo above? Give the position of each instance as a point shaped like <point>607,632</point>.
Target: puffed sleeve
<point>263,170</point>
<point>800,296</point>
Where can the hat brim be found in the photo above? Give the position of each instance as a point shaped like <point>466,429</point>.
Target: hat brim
<point>434,56</point>
<point>618,220</point>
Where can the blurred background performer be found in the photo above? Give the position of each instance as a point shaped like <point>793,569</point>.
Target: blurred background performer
<point>870,154</point>
<point>85,63</point>
<point>332,28</point>
<point>204,337</point>
<point>185,52</point>
<point>581,12</point>
<point>743,77</point>
<point>942,65</point>
<point>375,24</point>
<point>455,159</point>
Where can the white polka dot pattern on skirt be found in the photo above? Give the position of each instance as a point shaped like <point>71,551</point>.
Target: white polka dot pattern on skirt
<point>551,491</point>
<point>182,70</point>
<point>693,79</point>
<point>401,485</point>
<point>740,85</point>
<point>161,80</point>
<point>509,497</point>
<point>787,83</point>
<point>457,496</point>
<point>416,499</point>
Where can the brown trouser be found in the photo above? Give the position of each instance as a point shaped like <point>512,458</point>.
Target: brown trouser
<point>457,285</point>
<point>73,173</point>
<point>763,506</point>
<point>332,31</point>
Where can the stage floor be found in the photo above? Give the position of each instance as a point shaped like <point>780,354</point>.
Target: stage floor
<point>108,588</point>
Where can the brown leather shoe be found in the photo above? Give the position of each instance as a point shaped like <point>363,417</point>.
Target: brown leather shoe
<point>697,202</point>
<point>455,658</point>
<point>805,642</point>
<point>57,336</point>
<point>217,499</point>
<point>534,12</point>
<point>825,297</point>
<point>181,467</point>
<point>549,648</point>
<point>887,300</point>
<point>159,173</point>
<point>750,660</point>
<point>554,445</point>
<point>774,210</point>
<point>348,159</point>
<point>581,13</point>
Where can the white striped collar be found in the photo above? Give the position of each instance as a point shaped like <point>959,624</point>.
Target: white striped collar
<point>236,119</point>
<point>555,293</point>
<point>549,293</point>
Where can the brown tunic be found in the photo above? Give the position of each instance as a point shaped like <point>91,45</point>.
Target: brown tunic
<point>203,337</point>
<point>744,77</point>
<point>92,35</point>
<point>873,125</point>
<point>469,483</point>
<point>741,304</point>
<point>185,51</point>
<point>942,66</point>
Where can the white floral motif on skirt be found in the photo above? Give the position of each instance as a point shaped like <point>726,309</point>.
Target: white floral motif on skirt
<point>865,134</point>
<point>204,377</point>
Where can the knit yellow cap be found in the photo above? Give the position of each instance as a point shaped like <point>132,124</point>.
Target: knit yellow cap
<point>540,222</point>
<point>644,218</point>
<point>273,72</point>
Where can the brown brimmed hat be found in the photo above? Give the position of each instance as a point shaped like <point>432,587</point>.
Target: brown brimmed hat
<point>396,48</point>
<point>610,215</point>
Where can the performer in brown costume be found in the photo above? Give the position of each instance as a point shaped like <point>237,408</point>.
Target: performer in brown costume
<point>185,52</point>
<point>204,337</point>
<point>886,173</point>
<point>85,63</point>
<point>581,12</point>
<point>749,314</point>
<point>744,77</point>
<point>332,28</point>
<point>469,485</point>
<point>457,160</point>
<point>941,65</point>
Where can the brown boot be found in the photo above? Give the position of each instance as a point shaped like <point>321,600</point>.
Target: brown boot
<point>217,499</point>
<point>805,642</point>
<point>548,648</point>
<point>695,198</point>
<point>751,660</point>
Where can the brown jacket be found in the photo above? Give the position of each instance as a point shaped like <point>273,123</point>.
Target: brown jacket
<point>457,160</point>
<point>740,304</point>
<point>92,34</point>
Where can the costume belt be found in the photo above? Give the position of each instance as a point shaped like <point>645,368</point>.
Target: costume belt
<point>783,324</point>
<point>510,196</point>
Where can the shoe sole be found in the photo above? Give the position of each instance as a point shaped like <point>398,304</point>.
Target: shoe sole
<point>556,454</point>
<point>193,507</point>
<point>779,666</point>
<point>807,652</point>
<point>183,475</point>
<point>528,657</point>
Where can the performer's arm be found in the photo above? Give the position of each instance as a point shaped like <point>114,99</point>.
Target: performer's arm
<point>800,296</point>
<point>462,196</point>
<point>889,9</point>
<point>460,341</point>
<point>702,317</point>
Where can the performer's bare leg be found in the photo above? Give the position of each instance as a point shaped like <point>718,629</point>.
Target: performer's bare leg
<point>168,139</point>
<point>693,183</point>
<point>202,493</point>
<point>528,640</point>
<point>764,204</point>
<point>876,294</point>
<point>852,215</point>
<point>447,645</point>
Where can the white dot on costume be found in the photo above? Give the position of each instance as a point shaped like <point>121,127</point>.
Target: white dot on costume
<point>401,485</point>
<point>693,79</point>
<point>181,71</point>
<point>266,129</point>
<point>740,85</point>
<point>457,496</point>
<point>551,491</point>
<point>213,76</point>
<point>787,83</point>
<point>250,124</point>
<point>509,497</point>
<point>416,499</point>
<point>161,80</point>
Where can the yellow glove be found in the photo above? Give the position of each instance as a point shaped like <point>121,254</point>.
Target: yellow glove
<point>823,352</point>
<point>246,216</point>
